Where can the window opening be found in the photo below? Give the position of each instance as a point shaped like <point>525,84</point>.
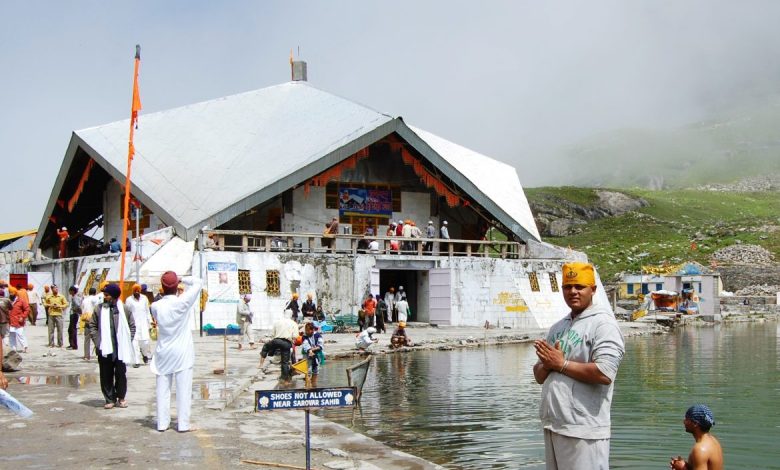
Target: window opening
<point>272,283</point>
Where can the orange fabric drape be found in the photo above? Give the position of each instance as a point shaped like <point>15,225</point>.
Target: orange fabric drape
<point>429,179</point>
<point>333,173</point>
<point>84,177</point>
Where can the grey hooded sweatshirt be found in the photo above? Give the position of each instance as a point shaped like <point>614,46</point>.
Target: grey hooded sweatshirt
<point>573,408</point>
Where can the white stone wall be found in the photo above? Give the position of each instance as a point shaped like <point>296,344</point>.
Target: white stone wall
<point>499,291</point>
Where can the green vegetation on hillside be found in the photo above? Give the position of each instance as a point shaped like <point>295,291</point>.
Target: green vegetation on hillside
<point>666,229</point>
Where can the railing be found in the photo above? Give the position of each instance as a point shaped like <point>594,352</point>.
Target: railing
<point>298,242</point>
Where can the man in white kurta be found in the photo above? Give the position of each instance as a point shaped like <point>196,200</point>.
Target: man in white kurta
<point>139,306</point>
<point>174,356</point>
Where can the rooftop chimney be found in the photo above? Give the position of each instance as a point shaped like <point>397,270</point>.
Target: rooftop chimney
<point>299,71</point>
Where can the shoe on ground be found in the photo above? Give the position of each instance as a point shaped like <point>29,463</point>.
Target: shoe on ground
<point>108,406</point>
<point>122,404</point>
<point>136,366</point>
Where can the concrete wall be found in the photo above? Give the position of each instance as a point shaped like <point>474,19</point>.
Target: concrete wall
<point>495,290</point>
<point>749,305</point>
<point>499,291</point>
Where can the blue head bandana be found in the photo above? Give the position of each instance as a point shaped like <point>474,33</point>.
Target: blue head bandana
<point>702,416</point>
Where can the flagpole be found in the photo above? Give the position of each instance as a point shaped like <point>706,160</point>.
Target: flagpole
<point>135,107</point>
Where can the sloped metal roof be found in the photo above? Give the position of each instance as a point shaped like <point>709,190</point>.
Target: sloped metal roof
<point>496,180</point>
<point>206,163</point>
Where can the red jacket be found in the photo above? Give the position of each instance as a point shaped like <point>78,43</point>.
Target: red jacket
<point>19,311</point>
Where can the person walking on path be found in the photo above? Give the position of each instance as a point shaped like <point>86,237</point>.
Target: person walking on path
<point>75,316</point>
<point>35,300</point>
<point>369,306</point>
<point>17,316</point>
<point>112,328</point>
<point>174,357</point>
<point>706,452</point>
<point>444,231</point>
<point>284,332</point>
<point>244,319</point>
<point>402,308</point>
<point>57,305</point>
<point>381,314</point>
<point>45,301</point>
<point>88,306</point>
<point>577,365</point>
<point>390,299</point>
<point>430,232</point>
<point>5,313</point>
<point>294,306</point>
<point>3,380</point>
<point>138,305</point>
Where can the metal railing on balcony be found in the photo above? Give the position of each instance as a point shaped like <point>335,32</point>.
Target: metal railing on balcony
<point>298,242</point>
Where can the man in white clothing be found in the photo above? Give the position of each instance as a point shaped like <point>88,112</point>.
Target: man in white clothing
<point>139,306</point>
<point>174,357</point>
<point>244,318</point>
<point>390,299</point>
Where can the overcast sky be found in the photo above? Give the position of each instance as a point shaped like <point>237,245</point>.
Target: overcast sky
<point>514,80</point>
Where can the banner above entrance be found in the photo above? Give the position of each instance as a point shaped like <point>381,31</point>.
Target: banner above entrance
<point>361,201</point>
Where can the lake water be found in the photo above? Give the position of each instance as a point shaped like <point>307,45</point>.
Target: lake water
<point>478,408</point>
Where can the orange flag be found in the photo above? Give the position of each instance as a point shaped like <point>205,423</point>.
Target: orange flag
<point>134,108</point>
<point>136,94</point>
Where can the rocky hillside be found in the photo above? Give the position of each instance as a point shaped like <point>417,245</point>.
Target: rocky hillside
<point>623,230</point>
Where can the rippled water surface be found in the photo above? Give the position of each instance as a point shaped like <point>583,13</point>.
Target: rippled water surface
<point>478,408</point>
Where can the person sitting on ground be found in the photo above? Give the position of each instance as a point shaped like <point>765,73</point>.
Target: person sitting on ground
<point>400,338</point>
<point>706,452</point>
<point>284,332</point>
<point>309,308</point>
<point>365,339</point>
<point>312,349</point>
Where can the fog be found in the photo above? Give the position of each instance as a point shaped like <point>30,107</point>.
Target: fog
<point>516,80</point>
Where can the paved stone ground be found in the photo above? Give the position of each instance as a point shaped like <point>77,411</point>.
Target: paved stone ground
<point>70,428</point>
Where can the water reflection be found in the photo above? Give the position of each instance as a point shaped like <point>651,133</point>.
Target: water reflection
<point>479,408</point>
<point>75,380</point>
<point>211,391</point>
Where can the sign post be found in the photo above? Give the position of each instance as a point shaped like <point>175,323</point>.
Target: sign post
<point>305,399</point>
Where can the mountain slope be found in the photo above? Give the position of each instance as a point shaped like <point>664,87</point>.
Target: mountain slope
<point>741,143</point>
<point>674,226</point>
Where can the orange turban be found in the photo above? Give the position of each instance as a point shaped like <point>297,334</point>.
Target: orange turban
<point>580,274</point>
<point>136,288</point>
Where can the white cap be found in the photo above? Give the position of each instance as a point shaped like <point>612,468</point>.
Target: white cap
<point>430,222</point>
<point>445,222</point>
<point>400,287</point>
<point>401,222</point>
<point>371,330</point>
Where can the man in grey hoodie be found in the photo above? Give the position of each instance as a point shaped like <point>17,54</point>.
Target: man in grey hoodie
<point>577,366</point>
